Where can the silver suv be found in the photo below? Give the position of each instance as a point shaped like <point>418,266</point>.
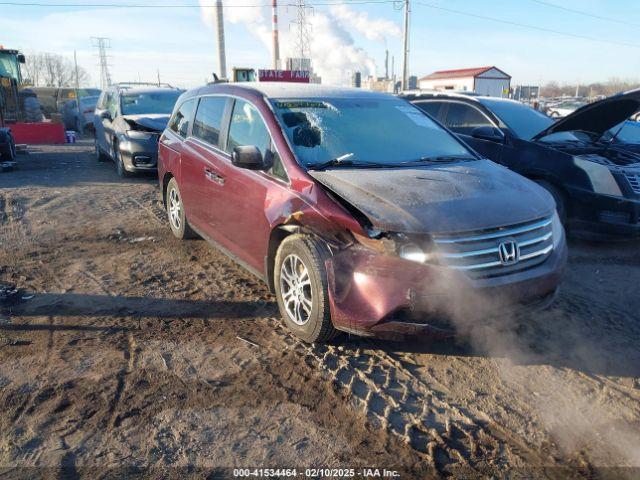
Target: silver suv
<point>129,119</point>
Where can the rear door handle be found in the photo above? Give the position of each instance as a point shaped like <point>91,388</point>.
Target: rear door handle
<point>214,177</point>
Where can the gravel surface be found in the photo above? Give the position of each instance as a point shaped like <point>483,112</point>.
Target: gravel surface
<point>125,350</point>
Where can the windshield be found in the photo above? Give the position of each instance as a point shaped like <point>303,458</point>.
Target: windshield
<point>524,121</point>
<point>386,131</point>
<point>8,65</point>
<point>149,102</point>
<point>630,132</point>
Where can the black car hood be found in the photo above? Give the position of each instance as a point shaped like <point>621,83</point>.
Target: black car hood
<point>152,121</point>
<point>597,117</point>
<point>439,199</point>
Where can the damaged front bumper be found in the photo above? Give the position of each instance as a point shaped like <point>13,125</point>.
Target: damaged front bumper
<point>382,295</point>
<point>139,155</point>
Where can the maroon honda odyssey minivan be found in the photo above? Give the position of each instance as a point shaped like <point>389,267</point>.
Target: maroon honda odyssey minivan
<point>360,212</point>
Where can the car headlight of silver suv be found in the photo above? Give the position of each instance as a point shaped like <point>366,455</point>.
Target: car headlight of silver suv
<point>600,176</point>
<point>557,230</point>
<point>138,135</point>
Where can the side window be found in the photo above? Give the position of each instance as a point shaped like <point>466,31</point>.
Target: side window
<point>112,104</point>
<point>463,118</point>
<point>179,123</point>
<point>432,108</point>
<point>208,120</point>
<point>247,128</point>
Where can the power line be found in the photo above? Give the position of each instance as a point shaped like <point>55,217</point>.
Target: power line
<point>586,14</point>
<point>212,5</point>
<point>524,25</point>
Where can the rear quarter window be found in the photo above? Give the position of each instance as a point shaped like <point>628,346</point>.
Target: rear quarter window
<point>179,122</point>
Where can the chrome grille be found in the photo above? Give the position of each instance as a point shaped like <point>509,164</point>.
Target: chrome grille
<point>478,253</point>
<point>634,181</point>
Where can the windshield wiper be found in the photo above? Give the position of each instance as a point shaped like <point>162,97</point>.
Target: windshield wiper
<point>343,161</point>
<point>438,159</point>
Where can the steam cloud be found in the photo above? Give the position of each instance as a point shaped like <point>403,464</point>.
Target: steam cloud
<point>333,49</point>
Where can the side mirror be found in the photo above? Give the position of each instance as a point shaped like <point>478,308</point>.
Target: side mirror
<point>21,58</point>
<point>105,115</point>
<point>490,134</point>
<point>248,157</point>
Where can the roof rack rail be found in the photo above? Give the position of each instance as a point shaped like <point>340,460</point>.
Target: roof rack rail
<point>144,84</point>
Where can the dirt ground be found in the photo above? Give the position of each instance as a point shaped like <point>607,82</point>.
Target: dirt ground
<point>127,351</point>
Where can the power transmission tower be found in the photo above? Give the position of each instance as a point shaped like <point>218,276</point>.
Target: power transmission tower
<point>302,29</point>
<point>102,44</point>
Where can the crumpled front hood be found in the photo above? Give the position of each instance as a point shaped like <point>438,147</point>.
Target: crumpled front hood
<point>597,117</point>
<point>440,198</point>
<point>151,121</point>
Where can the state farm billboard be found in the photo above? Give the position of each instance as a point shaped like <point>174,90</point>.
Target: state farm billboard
<point>297,76</point>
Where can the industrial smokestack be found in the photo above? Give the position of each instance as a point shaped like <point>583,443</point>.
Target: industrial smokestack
<point>386,64</point>
<point>222,58</point>
<point>276,44</point>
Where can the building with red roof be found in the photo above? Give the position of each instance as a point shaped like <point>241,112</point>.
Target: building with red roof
<point>489,81</point>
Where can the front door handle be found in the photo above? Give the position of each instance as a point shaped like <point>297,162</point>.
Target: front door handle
<point>214,177</point>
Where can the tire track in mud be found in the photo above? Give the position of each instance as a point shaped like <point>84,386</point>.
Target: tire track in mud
<point>397,401</point>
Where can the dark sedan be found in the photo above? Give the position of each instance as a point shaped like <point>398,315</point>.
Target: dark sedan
<point>594,182</point>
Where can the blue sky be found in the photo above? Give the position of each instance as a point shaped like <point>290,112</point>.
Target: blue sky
<point>181,43</point>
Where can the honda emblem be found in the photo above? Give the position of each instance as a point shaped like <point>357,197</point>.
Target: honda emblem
<point>509,252</point>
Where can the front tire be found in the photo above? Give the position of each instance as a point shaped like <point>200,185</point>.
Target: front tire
<point>176,213</point>
<point>122,172</point>
<point>302,289</point>
<point>100,157</point>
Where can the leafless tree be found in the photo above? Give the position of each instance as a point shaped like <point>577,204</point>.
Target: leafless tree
<point>611,86</point>
<point>53,70</point>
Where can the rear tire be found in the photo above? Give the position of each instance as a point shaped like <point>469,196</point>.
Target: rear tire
<point>175,212</point>
<point>558,196</point>
<point>300,280</point>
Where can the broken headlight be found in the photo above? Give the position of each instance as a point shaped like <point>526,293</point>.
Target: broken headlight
<point>419,250</point>
<point>413,253</point>
<point>139,135</point>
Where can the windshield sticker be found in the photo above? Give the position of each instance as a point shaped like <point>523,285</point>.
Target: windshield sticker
<point>300,104</point>
<point>416,116</point>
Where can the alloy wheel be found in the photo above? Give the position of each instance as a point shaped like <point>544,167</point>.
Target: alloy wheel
<point>175,209</point>
<point>295,288</point>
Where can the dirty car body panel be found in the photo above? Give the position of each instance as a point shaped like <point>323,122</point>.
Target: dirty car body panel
<point>458,213</point>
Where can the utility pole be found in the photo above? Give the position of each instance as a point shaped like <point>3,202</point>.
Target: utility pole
<point>276,44</point>
<point>102,43</point>
<point>80,116</point>
<point>158,76</point>
<point>222,57</point>
<point>405,47</point>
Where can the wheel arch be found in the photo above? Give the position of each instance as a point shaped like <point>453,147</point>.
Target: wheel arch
<point>537,176</point>
<point>165,183</point>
